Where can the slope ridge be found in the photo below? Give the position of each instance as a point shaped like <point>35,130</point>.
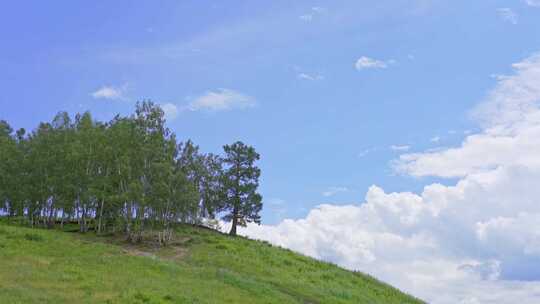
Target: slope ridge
<point>203,266</point>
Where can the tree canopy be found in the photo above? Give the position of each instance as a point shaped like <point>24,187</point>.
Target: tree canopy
<point>240,181</point>
<point>129,174</point>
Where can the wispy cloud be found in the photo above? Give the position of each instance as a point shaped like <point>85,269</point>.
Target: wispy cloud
<point>111,92</point>
<point>366,152</point>
<point>312,77</point>
<point>221,100</point>
<point>400,147</point>
<point>364,63</point>
<point>334,190</point>
<point>508,15</point>
<point>435,139</point>
<point>318,9</point>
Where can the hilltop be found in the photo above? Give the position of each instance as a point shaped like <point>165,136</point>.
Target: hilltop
<point>200,266</point>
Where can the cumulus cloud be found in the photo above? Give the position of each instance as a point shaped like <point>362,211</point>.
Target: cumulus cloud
<point>474,241</point>
<point>334,190</point>
<point>221,100</point>
<point>509,116</point>
<point>170,110</point>
<point>364,63</point>
<point>111,92</point>
<point>508,15</point>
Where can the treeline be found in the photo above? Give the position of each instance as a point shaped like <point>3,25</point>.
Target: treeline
<point>127,175</point>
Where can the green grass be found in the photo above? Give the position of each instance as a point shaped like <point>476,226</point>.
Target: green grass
<point>47,266</point>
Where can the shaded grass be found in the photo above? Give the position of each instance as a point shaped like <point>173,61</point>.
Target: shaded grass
<point>41,266</point>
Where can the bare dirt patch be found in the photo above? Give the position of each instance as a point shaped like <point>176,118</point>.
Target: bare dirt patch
<point>176,250</point>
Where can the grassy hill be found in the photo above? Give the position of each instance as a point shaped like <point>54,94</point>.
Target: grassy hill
<point>202,266</point>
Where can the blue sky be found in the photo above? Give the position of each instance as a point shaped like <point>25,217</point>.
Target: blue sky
<point>362,112</point>
<point>321,124</point>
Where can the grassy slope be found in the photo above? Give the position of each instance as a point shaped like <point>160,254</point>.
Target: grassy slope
<point>40,266</point>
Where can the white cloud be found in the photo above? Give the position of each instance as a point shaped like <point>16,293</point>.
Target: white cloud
<point>111,92</point>
<point>435,139</point>
<point>367,151</point>
<point>364,63</point>
<point>334,190</point>
<point>535,3</point>
<point>363,153</point>
<point>509,116</point>
<point>476,241</point>
<point>508,15</point>
<point>221,100</point>
<point>170,110</point>
<point>313,77</point>
<point>400,147</point>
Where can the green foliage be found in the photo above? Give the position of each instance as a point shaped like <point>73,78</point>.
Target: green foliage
<point>128,174</point>
<point>241,180</point>
<point>84,268</point>
<point>131,177</point>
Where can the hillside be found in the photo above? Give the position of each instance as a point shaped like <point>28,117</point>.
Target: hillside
<point>202,266</point>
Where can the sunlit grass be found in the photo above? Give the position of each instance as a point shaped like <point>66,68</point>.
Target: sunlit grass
<point>42,266</point>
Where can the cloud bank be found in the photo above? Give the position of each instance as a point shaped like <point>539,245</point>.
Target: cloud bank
<point>475,241</point>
